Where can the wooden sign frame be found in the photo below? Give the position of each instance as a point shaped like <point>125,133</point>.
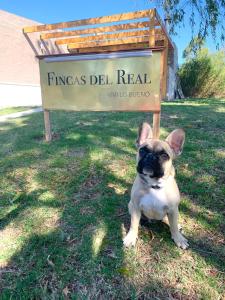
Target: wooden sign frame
<point>124,34</point>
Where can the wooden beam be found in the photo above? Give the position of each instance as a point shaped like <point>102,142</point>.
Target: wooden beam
<point>158,35</point>
<point>108,43</point>
<point>59,34</point>
<point>103,37</point>
<point>152,30</point>
<point>90,21</point>
<point>144,45</point>
<point>159,45</point>
<point>119,47</point>
<point>71,53</point>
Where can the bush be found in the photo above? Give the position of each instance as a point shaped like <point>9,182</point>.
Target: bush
<point>204,75</point>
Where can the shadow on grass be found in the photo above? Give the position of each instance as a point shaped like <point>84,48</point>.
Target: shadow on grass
<point>83,256</point>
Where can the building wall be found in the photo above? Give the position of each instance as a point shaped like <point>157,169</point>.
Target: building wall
<point>19,70</point>
<point>17,60</point>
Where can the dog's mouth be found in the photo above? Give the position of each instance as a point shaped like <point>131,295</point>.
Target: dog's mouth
<point>150,172</point>
<point>148,178</point>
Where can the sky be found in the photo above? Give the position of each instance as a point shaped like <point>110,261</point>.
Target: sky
<point>48,11</point>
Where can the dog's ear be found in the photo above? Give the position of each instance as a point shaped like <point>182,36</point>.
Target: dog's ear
<point>144,133</point>
<point>176,141</point>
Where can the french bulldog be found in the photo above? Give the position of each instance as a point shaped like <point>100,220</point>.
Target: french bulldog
<point>155,192</point>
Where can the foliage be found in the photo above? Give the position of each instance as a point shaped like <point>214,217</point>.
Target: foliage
<point>206,17</point>
<point>63,208</point>
<point>204,75</point>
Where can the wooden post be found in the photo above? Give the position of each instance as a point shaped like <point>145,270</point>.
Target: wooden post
<point>48,133</point>
<point>156,124</point>
<point>152,29</point>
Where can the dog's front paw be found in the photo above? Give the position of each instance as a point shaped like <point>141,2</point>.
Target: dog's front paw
<point>130,239</point>
<point>180,241</point>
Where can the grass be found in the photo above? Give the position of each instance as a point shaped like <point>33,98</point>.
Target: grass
<point>11,110</point>
<point>64,210</point>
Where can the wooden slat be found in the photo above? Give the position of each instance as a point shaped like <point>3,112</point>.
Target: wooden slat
<point>58,34</point>
<point>91,21</point>
<point>158,34</point>
<point>108,43</point>
<point>158,44</point>
<point>144,45</point>
<point>103,37</point>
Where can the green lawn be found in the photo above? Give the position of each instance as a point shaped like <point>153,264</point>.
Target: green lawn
<point>64,210</point>
<point>12,110</point>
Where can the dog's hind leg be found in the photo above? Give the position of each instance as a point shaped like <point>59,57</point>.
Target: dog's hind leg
<point>166,221</point>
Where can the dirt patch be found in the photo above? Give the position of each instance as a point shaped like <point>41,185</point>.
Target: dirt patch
<point>86,210</point>
<point>89,189</point>
<point>78,153</point>
<point>118,167</point>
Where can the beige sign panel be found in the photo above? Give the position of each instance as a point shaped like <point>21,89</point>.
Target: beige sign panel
<point>109,84</point>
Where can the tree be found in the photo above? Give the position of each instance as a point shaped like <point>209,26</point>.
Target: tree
<point>206,18</point>
<point>203,75</point>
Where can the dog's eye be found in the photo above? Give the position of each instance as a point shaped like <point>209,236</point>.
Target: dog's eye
<point>142,151</point>
<point>164,156</point>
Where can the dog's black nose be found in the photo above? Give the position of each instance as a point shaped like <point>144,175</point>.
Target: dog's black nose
<point>158,174</point>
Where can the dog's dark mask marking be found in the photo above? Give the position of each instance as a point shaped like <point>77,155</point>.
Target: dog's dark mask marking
<point>152,161</point>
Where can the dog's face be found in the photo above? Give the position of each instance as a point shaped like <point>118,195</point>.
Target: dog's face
<point>154,157</point>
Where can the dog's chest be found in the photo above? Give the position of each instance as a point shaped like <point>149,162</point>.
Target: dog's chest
<point>154,204</point>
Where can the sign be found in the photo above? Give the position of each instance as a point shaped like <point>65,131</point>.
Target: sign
<point>102,82</point>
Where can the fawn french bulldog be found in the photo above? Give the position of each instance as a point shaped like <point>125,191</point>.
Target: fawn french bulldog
<point>155,192</point>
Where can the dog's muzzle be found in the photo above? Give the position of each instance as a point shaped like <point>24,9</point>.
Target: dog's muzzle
<point>150,166</point>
